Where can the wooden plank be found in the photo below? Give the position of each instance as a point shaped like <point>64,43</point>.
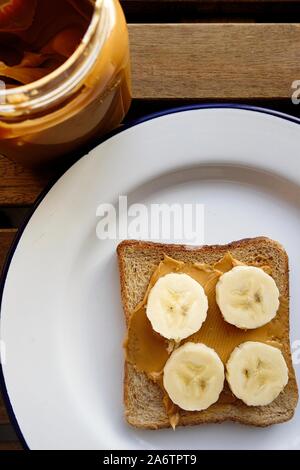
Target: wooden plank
<point>6,238</point>
<point>4,419</point>
<point>214,61</point>
<point>199,62</point>
<point>18,185</point>
<point>10,446</point>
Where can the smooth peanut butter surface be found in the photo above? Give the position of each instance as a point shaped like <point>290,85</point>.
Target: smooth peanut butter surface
<point>148,351</point>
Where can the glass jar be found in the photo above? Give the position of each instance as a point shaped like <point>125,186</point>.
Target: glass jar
<point>83,98</point>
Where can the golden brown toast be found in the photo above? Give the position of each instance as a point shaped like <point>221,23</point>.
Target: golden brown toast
<point>142,397</point>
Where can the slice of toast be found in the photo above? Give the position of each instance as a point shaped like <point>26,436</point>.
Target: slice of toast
<point>142,397</point>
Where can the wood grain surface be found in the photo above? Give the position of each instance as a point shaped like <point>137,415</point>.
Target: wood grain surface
<point>6,238</point>
<point>20,186</point>
<point>3,414</point>
<point>13,445</point>
<point>214,61</point>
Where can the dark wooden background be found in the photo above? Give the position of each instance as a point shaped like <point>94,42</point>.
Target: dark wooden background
<point>182,52</point>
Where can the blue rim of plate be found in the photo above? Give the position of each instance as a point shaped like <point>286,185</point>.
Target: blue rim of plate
<point>135,122</point>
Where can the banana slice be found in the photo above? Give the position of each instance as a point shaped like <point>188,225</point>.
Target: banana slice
<point>256,373</point>
<point>177,306</point>
<point>247,297</point>
<point>194,376</point>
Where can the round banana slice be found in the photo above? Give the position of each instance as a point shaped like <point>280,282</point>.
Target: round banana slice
<point>177,306</point>
<point>247,297</point>
<point>256,373</point>
<point>194,376</point>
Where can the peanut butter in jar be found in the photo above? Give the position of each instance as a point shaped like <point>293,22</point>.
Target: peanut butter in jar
<point>65,75</point>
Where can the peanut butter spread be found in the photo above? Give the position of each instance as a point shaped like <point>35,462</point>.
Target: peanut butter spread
<point>148,351</point>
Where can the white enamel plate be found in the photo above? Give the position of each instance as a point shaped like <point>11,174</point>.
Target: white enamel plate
<point>61,317</point>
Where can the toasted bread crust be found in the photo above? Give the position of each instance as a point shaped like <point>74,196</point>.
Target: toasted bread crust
<point>143,398</point>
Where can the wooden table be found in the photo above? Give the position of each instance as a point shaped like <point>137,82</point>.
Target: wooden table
<point>183,51</point>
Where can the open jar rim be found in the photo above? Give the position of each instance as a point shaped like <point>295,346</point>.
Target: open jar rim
<point>67,78</point>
